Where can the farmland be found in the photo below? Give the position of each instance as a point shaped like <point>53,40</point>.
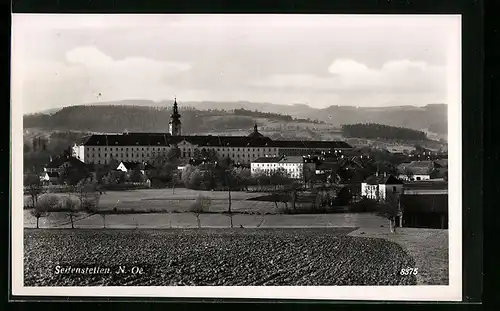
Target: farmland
<point>178,200</point>
<point>312,256</point>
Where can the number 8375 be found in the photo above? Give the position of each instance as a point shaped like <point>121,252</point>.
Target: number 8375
<point>409,271</point>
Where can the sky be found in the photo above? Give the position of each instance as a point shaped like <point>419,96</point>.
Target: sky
<point>319,60</point>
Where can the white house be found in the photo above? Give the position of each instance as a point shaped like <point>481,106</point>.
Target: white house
<point>292,165</point>
<point>130,166</point>
<point>416,170</point>
<point>378,187</point>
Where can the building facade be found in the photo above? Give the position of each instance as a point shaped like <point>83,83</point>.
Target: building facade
<point>146,147</point>
<point>379,187</point>
<point>292,166</point>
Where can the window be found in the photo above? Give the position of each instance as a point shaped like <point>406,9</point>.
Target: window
<point>393,188</point>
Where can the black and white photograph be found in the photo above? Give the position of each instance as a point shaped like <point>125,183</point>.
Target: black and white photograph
<point>237,156</point>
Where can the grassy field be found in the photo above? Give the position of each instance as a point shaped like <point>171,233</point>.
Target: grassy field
<point>428,247</point>
<point>213,257</point>
<point>188,220</point>
<point>179,201</point>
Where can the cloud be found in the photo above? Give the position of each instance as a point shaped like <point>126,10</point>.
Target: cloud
<point>89,75</point>
<point>349,76</point>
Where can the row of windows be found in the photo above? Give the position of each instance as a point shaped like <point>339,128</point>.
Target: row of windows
<point>121,155</point>
<point>164,148</point>
<point>126,148</point>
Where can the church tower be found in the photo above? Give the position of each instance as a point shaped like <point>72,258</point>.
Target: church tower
<point>175,122</point>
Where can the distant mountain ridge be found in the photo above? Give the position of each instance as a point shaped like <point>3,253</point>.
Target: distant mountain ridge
<point>432,117</point>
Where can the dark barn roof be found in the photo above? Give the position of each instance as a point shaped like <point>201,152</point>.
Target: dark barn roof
<point>59,161</point>
<point>387,180</point>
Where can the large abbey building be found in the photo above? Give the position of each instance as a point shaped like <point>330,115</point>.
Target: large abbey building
<point>145,147</point>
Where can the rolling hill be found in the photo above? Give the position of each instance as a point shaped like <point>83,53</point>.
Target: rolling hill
<point>146,115</point>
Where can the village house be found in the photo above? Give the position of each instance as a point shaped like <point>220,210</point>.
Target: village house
<point>63,165</point>
<point>50,178</point>
<point>422,170</point>
<point>379,187</point>
<point>128,167</point>
<point>294,166</point>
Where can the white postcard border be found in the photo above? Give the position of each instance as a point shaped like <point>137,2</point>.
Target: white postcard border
<point>452,292</point>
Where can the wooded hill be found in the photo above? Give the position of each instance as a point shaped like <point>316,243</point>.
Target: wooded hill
<point>146,119</point>
<point>380,131</point>
<point>432,117</point>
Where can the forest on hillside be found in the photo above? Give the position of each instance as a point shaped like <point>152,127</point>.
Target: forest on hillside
<point>380,131</point>
<point>132,118</point>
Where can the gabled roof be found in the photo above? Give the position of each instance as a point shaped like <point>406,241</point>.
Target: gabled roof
<point>59,161</point>
<point>131,165</point>
<point>292,159</point>
<point>310,144</point>
<point>383,180</point>
<point>328,166</point>
<point>416,167</point>
<point>255,133</point>
<point>53,174</point>
<point>267,160</point>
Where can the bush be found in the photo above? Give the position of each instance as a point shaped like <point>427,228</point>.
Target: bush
<point>364,206</point>
<point>201,205</point>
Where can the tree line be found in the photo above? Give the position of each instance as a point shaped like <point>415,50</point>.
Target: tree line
<point>377,131</point>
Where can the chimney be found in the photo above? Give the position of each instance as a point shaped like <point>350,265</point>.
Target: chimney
<point>385,174</point>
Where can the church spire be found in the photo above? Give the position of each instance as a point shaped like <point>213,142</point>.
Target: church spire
<point>175,122</point>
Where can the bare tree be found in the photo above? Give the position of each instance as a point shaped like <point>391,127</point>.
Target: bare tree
<point>389,207</point>
<point>88,195</point>
<point>230,213</point>
<point>34,187</point>
<point>44,205</point>
<point>201,205</point>
<point>408,173</point>
<point>71,208</point>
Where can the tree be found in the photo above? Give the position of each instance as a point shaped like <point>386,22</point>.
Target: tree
<point>229,176</point>
<point>136,174</point>
<point>408,173</point>
<point>34,187</point>
<point>46,204</point>
<point>280,177</point>
<point>309,175</point>
<point>208,155</point>
<point>173,154</point>
<point>201,205</point>
<point>71,208</point>
<point>389,208</point>
<point>88,195</point>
